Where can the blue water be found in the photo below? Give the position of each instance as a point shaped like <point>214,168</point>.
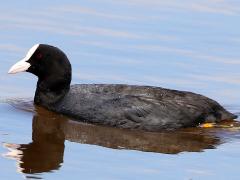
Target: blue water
<point>187,45</point>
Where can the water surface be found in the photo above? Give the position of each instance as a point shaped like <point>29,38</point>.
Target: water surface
<point>180,45</point>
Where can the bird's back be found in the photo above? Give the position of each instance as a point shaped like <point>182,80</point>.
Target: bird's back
<point>139,107</point>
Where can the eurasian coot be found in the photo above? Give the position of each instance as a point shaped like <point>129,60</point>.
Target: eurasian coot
<point>124,106</point>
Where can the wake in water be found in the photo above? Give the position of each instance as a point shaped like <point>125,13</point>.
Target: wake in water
<point>24,104</point>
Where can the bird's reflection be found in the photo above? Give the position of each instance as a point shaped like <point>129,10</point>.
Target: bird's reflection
<point>50,130</point>
<point>45,152</point>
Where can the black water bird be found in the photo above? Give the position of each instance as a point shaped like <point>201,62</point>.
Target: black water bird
<point>124,106</point>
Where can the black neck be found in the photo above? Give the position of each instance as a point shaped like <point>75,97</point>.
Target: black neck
<point>50,91</point>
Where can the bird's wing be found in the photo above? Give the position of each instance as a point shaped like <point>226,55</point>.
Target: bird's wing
<point>140,111</point>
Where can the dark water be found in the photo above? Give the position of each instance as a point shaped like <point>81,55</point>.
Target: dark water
<point>181,45</point>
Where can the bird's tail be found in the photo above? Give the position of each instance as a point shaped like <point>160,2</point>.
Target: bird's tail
<point>221,115</point>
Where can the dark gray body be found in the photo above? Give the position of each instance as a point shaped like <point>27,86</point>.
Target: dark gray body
<point>138,107</point>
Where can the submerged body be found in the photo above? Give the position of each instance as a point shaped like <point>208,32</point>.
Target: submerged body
<point>124,106</point>
<point>137,107</point>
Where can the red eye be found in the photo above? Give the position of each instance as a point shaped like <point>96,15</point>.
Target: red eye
<point>39,55</point>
